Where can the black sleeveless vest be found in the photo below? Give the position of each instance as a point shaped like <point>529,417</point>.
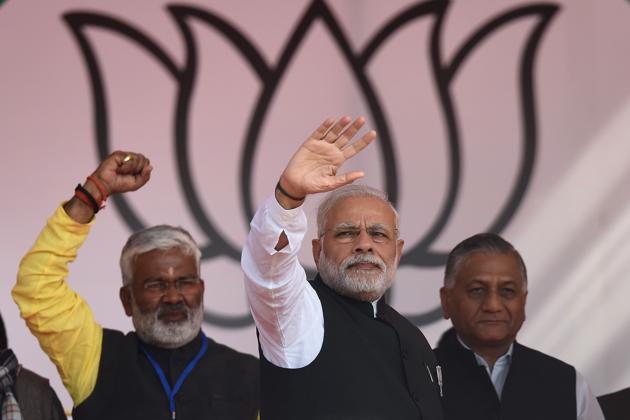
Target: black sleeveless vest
<point>368,369</point>
<point>36,398</point>
<point>537,386</point>
<point>223,385</point>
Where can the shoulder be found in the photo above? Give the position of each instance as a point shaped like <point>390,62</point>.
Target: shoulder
<point>542,359</point>
<point>117,346</point>
<point>35,395</point>
<point>409,334</point>
<point>447,342</point>
<point>231,369</point>
<point>31,379</point>
<point>230,355</point>
<point>541,365</point>
<point>36,398</point>
<point>398,321</point>
<point>115,337</point>
<point>621,395</point>
<point>615,404</point>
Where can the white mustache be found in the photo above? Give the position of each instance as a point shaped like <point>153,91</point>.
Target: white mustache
<point>362,258</point>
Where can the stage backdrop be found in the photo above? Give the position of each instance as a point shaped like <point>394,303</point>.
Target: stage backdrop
<point>505,116</point>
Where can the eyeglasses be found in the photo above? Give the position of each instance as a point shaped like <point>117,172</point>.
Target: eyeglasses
<point>160,287</point>
<point>345,235</point>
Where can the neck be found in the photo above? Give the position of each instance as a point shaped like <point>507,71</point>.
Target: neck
<point>489,353</point>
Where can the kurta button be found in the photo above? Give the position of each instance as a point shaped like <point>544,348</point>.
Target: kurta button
<point>414,396</point>
<point>403,354</point>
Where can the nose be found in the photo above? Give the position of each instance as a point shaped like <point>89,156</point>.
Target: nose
<point>364,242</point>
<point>172,295</point>
<point>492,302</point>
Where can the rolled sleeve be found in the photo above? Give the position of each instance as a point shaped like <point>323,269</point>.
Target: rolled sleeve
<point>59,318</point>
<point>286,309</point>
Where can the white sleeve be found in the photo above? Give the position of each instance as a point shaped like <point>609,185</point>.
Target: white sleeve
<point>286,309</point>
<point>587,406</point>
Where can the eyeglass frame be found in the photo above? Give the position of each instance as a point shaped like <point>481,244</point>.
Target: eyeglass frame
<point>182,286</point>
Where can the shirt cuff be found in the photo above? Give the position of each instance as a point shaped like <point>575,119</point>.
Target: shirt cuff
<point>283,217</point>
<point>62,218</point>
<point>278,219</point>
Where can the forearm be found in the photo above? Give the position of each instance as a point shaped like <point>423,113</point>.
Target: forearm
<point>286,309</point>
<point>59,318</point>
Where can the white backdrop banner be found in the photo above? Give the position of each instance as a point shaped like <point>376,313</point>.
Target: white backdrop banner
<point>493,115</point>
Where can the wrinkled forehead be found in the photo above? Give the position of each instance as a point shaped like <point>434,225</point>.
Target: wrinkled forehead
<point>490,267</point>
<point>361,211</point>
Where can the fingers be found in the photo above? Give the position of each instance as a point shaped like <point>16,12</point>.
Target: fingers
<point>320,132</point>
<point>129,163</point>
<point>139,179</point>
<point>350,132</point>
<point>345,179</point>
<point>359,145</point>
<point>332,134</point>
<point>134,169</point>
<point>124,171</point>
<point>350,177</point>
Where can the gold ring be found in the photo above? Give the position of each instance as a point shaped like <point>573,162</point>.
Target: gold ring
<point>127,158</point>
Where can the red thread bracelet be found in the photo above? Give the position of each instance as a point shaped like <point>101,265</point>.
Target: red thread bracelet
<point>78,193</point>
<point>100,188</point>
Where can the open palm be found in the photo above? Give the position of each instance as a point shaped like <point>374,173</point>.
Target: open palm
<point>313,168</point>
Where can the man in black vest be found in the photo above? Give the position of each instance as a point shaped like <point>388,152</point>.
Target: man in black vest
<point>487,374</point>
<point>22,391</point>
<point>167,368</point>
<point>332,348</point>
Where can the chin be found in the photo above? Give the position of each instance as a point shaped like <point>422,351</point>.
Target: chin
<point>168,334</point>
<point>361,289</point>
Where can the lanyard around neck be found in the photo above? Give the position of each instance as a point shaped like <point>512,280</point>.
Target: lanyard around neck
<point>170,393</point>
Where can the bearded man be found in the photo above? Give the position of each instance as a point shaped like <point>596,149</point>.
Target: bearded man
<point>332,348</point>
<point>167,368</point>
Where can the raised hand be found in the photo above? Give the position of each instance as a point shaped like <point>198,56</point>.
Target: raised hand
<point>118,173</point>
<point>123,171</point>
<point>313,168</point>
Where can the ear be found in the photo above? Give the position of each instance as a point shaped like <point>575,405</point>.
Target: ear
<point>524,305</point>
<point>316,248</point>
<point>444,300</point>
<point>400,243</point>
<point>125,298</point>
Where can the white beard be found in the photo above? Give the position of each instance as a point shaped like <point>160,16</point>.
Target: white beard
<point>168,335</point>
<point>363,285</point>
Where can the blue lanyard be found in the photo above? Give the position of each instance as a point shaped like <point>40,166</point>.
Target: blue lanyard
<point>170,393</point>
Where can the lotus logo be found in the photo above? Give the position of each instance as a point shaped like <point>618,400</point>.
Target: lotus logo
<point>444,72</point>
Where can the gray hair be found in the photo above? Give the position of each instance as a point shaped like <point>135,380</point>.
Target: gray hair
<point>484,243</point>
<point>348,191</point>
<point>161,237</point>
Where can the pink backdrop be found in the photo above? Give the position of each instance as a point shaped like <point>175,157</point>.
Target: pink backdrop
<point>544,86</point>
